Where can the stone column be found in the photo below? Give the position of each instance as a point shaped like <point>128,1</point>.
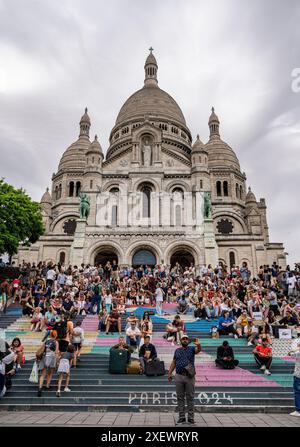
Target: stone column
<point>77,247</point>
<point>166,210</point>
<point>199,206</point>
<point>210,245</point>
<point>123,209</point>
<point>154,209</point>
<point>188,209</point>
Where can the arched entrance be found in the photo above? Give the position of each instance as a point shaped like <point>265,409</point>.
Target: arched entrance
<point>143,257</point>
<point>183,257</point>
<point>104,255</point>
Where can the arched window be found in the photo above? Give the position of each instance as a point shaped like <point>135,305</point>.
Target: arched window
<point>231,259</point>
<point>56,192</point>
<point>146,201</point>
<point>178,191</point>
<point>219,189</point>
<point>71,189</point>
<point>241,192</point>
<point>237,191</point>
<point>91,184</point>
<point>178,215</point>
<point>114,216</point>
<point>62,257</point>
<point>59,191</point>
<point>78,186</point>
<point>225,188</point>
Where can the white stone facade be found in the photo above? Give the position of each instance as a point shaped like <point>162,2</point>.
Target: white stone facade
<point>147,194</point>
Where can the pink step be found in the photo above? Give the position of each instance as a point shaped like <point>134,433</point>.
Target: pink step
<point>106,341</point>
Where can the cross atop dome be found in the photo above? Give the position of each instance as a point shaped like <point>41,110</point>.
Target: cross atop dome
<point>85,124</point>
<point>214,124</point>
<point>151,70</point>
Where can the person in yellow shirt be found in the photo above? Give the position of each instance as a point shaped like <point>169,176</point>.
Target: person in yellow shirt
<point>242,324</point>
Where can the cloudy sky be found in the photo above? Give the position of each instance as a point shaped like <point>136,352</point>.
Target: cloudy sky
<point>58,56</point>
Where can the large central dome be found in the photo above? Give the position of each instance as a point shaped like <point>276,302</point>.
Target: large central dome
<point>150,100</point>
<point>149,104</point>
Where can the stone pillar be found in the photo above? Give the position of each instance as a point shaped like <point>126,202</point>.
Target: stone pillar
<point>166,210</point>
<point>188,209</point>
<point>210,245</point>
<point>199,205</point>
<point>123,209</point>
<point>157,155</point>
<point>154,209</point>
<point>77,247</point>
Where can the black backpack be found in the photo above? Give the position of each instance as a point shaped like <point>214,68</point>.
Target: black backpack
<point>61,328</point>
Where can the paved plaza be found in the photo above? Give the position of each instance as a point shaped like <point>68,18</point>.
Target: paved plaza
<point>71,419</point>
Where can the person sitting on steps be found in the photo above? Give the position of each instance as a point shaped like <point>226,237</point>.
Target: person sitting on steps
<point>113,320</point>
<point>133,335</point>
<point>263,356</point>
<point>147,352</point>
<point>226,325</point>
<point>225,357</point>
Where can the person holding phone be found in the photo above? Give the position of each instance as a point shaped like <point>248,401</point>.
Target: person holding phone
<point>184,364</point>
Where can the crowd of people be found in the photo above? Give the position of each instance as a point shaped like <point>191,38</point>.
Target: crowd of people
<point>242,305</point>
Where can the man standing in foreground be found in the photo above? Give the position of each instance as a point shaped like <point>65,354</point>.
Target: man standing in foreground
<point>184,363</point>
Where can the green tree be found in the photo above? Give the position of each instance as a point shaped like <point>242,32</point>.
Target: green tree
<point>20,219</point>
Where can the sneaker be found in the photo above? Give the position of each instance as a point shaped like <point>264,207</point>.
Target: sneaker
<point>39,393</point>
<point>295,413</point>
<point>191,422</point>
<point>249,343</point>
<point>57,393</point>
<point>181,421</point>
<point>67,390</point>
<point>267,372</point>
<point>236,336</point>
<point>263,367</point>
<point>19,367</point>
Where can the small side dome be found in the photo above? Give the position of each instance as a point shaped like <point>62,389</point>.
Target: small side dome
<point>198,145</point>
<point>213,117</point>
<point>250,197</point>
<point>95,147</point>
<point>85,117</point>
<point>151,58</point>
<point>46,198</point>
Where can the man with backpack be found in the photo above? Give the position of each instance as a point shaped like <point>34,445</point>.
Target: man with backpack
<point>184,364</point>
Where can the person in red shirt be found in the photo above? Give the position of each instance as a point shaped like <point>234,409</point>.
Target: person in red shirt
<point>263,356</point>
<point>16,287</point>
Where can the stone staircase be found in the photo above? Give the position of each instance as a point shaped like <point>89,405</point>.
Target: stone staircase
<point>94,389</point>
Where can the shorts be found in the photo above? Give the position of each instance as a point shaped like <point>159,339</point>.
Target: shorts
<point>48,361</point>
<point>63,345</point>
<point>63,367</point>
<point>77,346</point>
